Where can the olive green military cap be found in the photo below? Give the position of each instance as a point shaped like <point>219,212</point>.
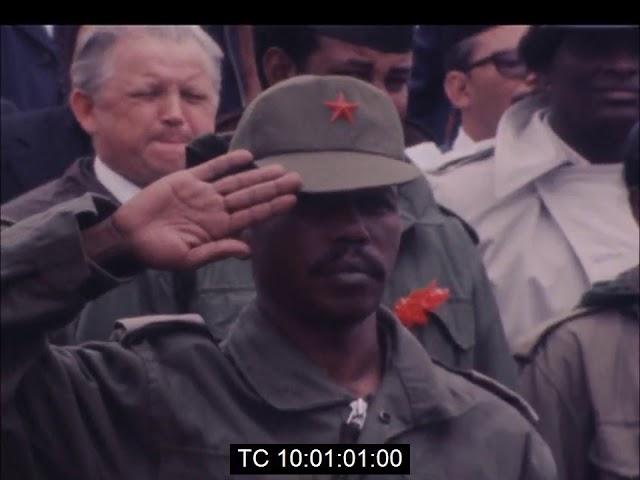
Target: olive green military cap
<point>337,132</point>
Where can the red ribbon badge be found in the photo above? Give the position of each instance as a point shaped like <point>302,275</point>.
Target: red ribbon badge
<point>414,309</point>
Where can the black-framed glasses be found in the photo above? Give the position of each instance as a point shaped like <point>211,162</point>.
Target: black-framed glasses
<point>507,62</point>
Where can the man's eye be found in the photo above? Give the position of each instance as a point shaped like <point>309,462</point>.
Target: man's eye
<point>145,94</point>
<point>194,97</point>
<point>359,75</point>
<point>377,204</point>
<point>396,84</point>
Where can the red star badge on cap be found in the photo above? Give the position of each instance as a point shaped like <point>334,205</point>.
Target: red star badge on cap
<point>341,108</point>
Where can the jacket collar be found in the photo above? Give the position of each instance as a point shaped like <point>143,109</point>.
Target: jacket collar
<point>81,176</point>
<point>623,293</point>
<point>527,148</point>
<point>287,380</point>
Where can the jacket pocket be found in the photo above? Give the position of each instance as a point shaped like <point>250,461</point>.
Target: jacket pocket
<point>450,334</point>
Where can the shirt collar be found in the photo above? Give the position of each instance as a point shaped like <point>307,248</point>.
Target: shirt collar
<point>121,188</point>
<point>463,141</point>
<point>527,147</point>
<point>287,379</point>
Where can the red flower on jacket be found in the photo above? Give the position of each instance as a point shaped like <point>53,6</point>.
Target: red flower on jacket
<point>414,308</point>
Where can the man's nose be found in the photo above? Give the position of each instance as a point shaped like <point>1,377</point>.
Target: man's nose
<point>623,65</point>
<point>172,109</point>
<point>352,223</point>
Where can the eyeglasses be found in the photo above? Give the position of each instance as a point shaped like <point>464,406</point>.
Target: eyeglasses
<point>507,62</point>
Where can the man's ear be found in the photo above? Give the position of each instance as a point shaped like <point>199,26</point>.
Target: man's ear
<point>82,106</point>
<point>277,65</point>
<point>456,87</point>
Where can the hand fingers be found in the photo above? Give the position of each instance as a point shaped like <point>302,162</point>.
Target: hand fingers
<point>217,250</point>
<point>219,166</point>
<point>238,181</point>
<point>245,217</point>
<point>289,183</point>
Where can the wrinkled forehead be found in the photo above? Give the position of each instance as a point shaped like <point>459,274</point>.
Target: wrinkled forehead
<point>143,55</point>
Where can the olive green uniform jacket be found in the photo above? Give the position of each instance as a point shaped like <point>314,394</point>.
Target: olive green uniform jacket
<point>582,375</point>
<point>167,399</point>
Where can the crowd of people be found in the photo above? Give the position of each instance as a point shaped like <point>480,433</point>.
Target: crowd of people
<point>320,234</point>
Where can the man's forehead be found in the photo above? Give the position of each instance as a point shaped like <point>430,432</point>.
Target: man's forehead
<point>142,44</point>
<point>148,56</point>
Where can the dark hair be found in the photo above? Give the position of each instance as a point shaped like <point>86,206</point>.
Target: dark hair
<point>459,55</point>
<point>631,161</point>
<point>297,41</point>
<point>457,43</point>
<point>539,45</point>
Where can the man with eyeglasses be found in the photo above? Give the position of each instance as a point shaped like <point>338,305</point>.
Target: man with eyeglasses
<point>483,76</point>
<point>549,203</point>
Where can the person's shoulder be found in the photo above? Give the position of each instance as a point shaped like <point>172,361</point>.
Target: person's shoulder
<point>47,195</point>
<point>489,394</point>
<point>34,201</point>
<point>453,217</point>
<point>571,326</point>
<point>148,328</point>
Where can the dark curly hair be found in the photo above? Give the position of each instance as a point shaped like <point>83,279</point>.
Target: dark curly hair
<point>539,45</point>
<point>297,41</point>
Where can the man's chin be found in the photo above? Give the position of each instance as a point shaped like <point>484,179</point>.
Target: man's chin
<point>167,151</point>
<point>164,162</point>
<point>347,312</point>
<point>615,120</point>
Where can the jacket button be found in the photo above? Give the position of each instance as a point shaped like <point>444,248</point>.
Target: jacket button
<point>384,417</point>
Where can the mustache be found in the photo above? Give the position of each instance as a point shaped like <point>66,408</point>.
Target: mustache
<point>346,256</point>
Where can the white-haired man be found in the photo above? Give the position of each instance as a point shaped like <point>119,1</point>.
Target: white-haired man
<point>142,93</point>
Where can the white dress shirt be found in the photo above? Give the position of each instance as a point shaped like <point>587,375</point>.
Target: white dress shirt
<point>118,186</point>
<point>428,157</point>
